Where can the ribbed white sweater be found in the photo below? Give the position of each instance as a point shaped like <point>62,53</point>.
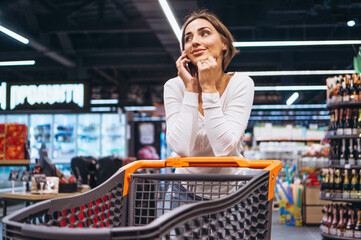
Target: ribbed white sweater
<point>219,132</point>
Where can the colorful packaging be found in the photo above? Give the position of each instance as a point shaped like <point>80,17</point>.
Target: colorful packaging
<point>12,140</point>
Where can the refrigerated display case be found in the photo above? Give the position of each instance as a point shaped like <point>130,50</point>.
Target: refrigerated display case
<point>88,135</point>
<point>113,135</point>
<point>64,136</point>
<point>41,126</point>
<point>16,118</point>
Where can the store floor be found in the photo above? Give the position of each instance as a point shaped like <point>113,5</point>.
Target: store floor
<point>279,232</point>
<point>282,232</point>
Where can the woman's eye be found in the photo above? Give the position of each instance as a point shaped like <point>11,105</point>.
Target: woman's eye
<point>205,33</point>
<point>187,39</point>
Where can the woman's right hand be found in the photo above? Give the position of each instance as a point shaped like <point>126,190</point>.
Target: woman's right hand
<point>190,80</point>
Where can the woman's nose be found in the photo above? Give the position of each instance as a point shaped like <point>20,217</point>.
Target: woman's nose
<point>195,41</point>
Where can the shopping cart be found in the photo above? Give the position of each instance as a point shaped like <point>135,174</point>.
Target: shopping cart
<point>132,205</point>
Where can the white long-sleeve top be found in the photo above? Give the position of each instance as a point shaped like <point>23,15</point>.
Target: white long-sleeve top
<point>219,132</point>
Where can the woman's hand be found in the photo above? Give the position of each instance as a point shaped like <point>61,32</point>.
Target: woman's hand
<point>187,75</point>
<point>208,72</point>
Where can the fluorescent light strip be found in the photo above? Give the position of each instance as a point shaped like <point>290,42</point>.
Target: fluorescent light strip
<point>173,22</point>
<point>100,109</point>
<point>104,101</point>
<point>144,108</point>
<point>296,106</point>
<point>276,118</point>
<point>171,19</point>
<point>290,88</point>
<point>301,72</point>
<point>294,43</point>
<point>292,99</point>
<point>17,63</point>
<point>14,35</point>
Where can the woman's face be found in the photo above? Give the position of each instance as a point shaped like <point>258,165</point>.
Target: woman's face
<point>201,40</point>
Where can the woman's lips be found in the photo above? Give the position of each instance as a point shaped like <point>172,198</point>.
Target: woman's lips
<point>198,52</point>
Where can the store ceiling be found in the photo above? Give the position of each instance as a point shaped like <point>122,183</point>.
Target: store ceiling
<point>126,48</point>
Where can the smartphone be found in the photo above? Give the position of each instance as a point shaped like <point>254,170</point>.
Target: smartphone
<point>192,69</point>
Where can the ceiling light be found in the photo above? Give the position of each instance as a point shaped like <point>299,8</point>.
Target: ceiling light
<point>295,43</point>
<point>292,99</point>
<point>140,108</point>
<point>176,29</point>
<point>171,19</point>
<point>14,35</point>
<point>296,106</point>
<point>17,63</point>
<point>301,72</point>
<point>351,23</point>
<point>290,88</point>
<point>104,101</point>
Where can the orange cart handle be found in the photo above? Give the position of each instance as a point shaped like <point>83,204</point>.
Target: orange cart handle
<point>274,166</point>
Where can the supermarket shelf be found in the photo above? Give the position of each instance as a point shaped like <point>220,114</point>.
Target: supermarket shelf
<point>14,162</point>
<point>331,237</point>
<point>344,104</point>
<point>342,136</point>
<point>328,197</point>
<point>289,140</point>
<point>345,166</point>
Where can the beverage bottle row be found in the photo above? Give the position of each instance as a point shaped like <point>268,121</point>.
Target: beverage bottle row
<point>345,151</point>
<point>341,220</point>
<point>341,183</point>
<point>343,88</point>
<point>345,121</point>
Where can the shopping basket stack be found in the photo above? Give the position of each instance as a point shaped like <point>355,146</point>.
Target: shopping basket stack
<point>131,205</point>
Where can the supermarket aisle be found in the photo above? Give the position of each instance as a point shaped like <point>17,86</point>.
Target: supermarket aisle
<point>280,232</point>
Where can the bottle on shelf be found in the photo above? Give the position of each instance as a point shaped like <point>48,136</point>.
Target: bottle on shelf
<point>359,184</point>
<point>341,227</point>
<point>357,232</point>
<point>340,89</point>
<point>331,128</point>
<point>346,184</point>
<point>37,169</point>
<point>359,86</point>
<point>324,184</point>
<point>351,158</point>
<point>340,122</point>
<point>355,88</point>
<point>324,227</point>
<point>355,121</point>
<point>333,228</point>
<point>329,218</point>
<point>349,232</point>
<point>347,124</point>
<point>345,86</point>
<point>330,180</point>
<point>358,160</point>
<point>344,152</point>
<point>354,184</point>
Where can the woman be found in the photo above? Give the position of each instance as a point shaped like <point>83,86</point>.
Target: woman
<point>207,110</point>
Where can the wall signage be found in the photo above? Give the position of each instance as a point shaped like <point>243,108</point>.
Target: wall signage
<point>3,96</point>
<point>51,95</point>
<point>44,96</point>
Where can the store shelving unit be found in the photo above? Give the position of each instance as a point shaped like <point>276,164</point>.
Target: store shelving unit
<point>16,162</point>
<point>329,196</point>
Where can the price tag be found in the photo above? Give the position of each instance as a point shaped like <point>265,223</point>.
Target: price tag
<point>347,166</point>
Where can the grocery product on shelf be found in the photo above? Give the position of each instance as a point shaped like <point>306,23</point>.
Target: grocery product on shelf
<point>341,180</point>
<point>13,137</point>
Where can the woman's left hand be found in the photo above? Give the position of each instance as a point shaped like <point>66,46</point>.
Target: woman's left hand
<point>208,71</point>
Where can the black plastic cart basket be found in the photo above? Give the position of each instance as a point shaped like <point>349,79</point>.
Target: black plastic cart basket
<point>130,205</point>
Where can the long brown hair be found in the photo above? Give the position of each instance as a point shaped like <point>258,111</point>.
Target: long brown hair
<point>225,34</point>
